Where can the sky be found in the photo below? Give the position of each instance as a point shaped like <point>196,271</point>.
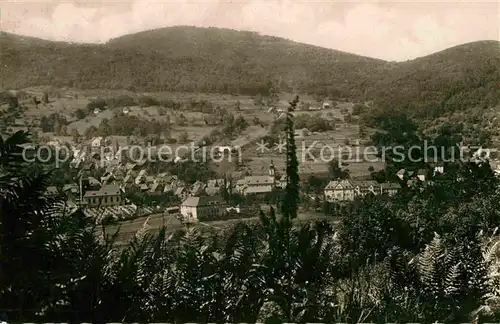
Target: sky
<point>393,31</point>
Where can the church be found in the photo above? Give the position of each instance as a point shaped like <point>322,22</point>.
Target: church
<point>259,184</point>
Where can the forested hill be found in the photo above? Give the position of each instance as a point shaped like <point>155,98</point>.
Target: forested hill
<point>196,59</point>
<point>456,79</point>
<point>184,59</point>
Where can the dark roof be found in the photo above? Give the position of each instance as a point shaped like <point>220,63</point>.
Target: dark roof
<point>108,190</point>
<point>364,183</point>
<point>390,185</point>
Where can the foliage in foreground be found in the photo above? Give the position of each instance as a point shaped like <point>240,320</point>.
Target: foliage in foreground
<point>429,255</point>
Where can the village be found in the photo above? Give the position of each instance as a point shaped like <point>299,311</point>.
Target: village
<point>104,184</point>
<point>203,161</point>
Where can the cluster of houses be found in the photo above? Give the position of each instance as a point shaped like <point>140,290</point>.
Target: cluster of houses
<point>201,199</point>
<point>348,190</point>
<point>197,199</point>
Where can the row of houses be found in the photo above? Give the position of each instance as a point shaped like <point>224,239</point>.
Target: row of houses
<point>348,190</point>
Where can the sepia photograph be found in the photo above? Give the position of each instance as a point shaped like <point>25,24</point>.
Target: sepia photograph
<point>249,161</point>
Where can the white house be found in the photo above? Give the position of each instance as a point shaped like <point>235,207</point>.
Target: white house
<point>194,208</point>
<point>96,142</point>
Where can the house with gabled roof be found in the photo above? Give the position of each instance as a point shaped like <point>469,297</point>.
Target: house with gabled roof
<point>155,187</point>
<point>421,174</point>
<point>363,187</point>
<point>339,190</point>
<point>258,184</point>
<point>108,195</point>
<point>96,142</point>
<point>348,190</point>
<point>402,173</point>
<point>193,208</point>
<point>141,177</point>
<point>181,192</point>
<point>197,188</point>
<point>255,184</point>
<point>281,182</point>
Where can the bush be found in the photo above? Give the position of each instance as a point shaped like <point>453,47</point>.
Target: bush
<point>80,114</point>
<point>358,109</point>
<point>96,104</point>
<point>147,101</point>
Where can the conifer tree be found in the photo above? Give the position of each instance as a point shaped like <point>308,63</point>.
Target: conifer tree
<point>289,207</point>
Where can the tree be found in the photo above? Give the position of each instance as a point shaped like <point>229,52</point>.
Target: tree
<point>75,135</point>
<point>181,120</point>
<point>273,98</point>
<point>362,131</point>
<point>257,100</point>
<point>348,118</point>
<point>36,102</point>
<point>358,109</point>
<point>13,103</point>
<point>63,131</point>
<point>96,104</point>
<point>105,128</point>
<point>80,114</point>
<point>183,137</point>
<point>147,101</point>
<point>290,203</point>
<point>91,132</point>
<point>335,170</point>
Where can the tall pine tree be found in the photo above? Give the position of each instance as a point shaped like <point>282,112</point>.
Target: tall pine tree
<point>291,200</point>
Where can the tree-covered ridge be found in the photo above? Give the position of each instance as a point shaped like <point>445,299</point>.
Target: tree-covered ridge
<point>177,59</point>
<point>213,60</point>
<point>454,80</point>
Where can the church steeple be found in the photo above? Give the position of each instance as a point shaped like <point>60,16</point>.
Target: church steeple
<point>271,169</point>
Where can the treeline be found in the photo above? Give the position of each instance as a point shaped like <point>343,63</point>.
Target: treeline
<point>455,81</point>
<point>127,125</point>
<point>54,123</point>
<point>469,129</point>
<point>312,122</point>
<point>206,61</point>
<point>125,101</point>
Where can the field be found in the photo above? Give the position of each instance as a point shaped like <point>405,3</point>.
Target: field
<point>254,162</point>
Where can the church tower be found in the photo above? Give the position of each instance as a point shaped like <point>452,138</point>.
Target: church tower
<point>272,173</point>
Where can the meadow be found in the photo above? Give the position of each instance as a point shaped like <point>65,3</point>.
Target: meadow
<point>67,102</point>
